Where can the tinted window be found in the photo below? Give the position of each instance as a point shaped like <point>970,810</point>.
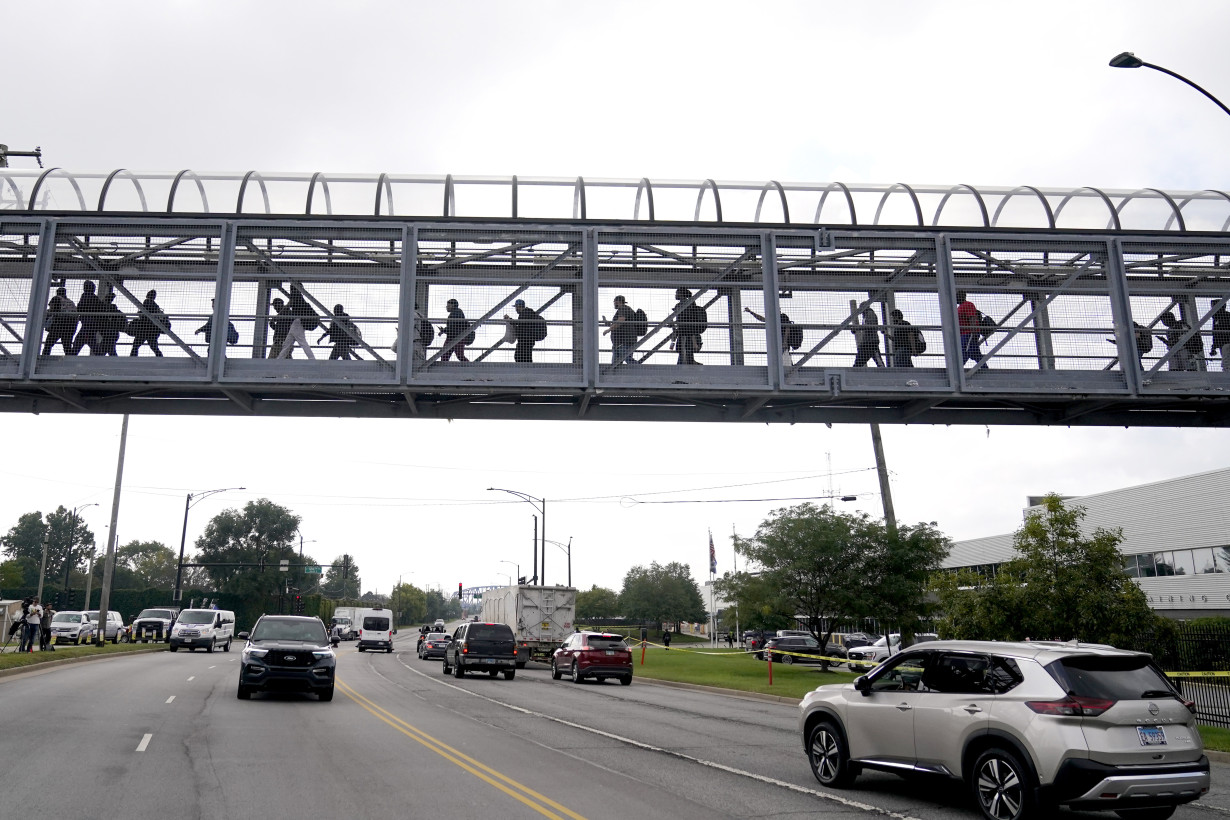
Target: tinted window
<point>1110,678</point>
<point>375,623</point>
<point>957,673</point>
<point>66,618</point>
<point>900,674</point>
<point>490,632</point>
<point>605,642</point>
<point>1003,675</point>
<point>156,613</point>
<point>197,617</point>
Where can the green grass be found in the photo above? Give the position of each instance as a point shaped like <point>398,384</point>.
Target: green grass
<point>16,660</point>
<point>1215,738</point>
<point>731,669</point>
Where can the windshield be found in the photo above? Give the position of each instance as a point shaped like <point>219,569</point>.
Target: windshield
<point>165,614</point>
<point>606,642</point>
<point>374,623</point>
<point>197,617</point>
<point>307,631</point>
<point>436,636</point>
<point>66,618</point>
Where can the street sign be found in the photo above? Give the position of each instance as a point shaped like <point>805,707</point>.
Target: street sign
<point>311,569</point>
<point>284,565</point>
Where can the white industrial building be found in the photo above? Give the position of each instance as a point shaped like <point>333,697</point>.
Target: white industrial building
<point>1176,541</point>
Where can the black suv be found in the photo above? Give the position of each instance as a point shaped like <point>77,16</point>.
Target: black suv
<point>287,653</point>
<point>477,647</point>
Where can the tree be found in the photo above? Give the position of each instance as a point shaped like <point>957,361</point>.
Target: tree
<point>19,572</point>
<point>410,602</point>
<point>826,565</point>
<point>597,602</point>
<point>1060,585</point>
<point>759,602</point>
<point>149,564</point>
<point>68,534</point>
<point>342,579</point>
<point>662,594</point>
<point>263,533</point>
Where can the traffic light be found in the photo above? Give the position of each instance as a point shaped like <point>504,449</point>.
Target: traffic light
<point>458,590</point>
<point>298,604</point>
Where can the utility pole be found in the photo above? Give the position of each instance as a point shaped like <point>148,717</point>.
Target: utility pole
<point>5,153</point>
<point>104,595</point>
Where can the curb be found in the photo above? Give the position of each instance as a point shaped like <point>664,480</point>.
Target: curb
<point>49,665</point>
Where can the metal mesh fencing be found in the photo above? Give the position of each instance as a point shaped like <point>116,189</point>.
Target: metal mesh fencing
<point>18,255</point>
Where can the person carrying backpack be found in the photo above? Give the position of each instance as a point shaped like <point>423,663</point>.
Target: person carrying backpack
<point>60,322</point>
<point>303,321</point>
<point>455,330</point>
<point>232,335</point>
<point>148,325</point>
<point>342,333</point>
<point>627,325</point>
<point>1221,337</point>
<point>792,335</point>
<point>529,328</point>
<point>908,340</point>
<point>691,321</point>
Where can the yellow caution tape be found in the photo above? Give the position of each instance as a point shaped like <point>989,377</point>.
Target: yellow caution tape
<point>1197,674</point>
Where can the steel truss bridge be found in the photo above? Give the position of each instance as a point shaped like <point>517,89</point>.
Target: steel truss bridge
<point>1063,274</point>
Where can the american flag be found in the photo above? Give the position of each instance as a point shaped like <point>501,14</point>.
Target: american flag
<point>712,556</point>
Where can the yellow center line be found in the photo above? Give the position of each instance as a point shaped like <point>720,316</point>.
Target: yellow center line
<point>506,784</point>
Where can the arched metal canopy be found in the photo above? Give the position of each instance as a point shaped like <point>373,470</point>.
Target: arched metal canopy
<point>418,196</point>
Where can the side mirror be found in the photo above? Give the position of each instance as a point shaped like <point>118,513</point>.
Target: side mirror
<point>243,636</point>
<point>862,684</point>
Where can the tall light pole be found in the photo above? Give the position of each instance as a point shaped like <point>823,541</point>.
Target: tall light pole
<point>42,570</point>
<point>178,594</point>
<point>515,564</point>
<point>539,504</point>
<point>568,549</point>
<point>68,558</point>
<point>1127,59</point>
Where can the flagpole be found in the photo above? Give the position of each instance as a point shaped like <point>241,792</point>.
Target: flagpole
<point>734,568</point>
<point>712,575</point>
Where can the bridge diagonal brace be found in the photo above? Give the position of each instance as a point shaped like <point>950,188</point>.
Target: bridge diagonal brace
<point>500,341</point>
<point>915,409</point>
<point>411,400</point>
<point>752,406</point>
<point>165,328</point>
<point>241,398</point>
<point>68,396</point>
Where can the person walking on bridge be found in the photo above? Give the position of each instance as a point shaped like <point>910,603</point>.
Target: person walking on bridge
<point>302,320</point>
<point>61,323</point>
<point>454,330</point>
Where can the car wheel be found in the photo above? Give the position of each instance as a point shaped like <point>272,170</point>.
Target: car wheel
<point>361,649</point>
<point>787,659</point>
<point>388,650</point>
<point>116,639</point>
<point>210,648</point>
<point>244,693</point>
<point>227,646</point>
<point>555,673</point>
<point>173,648</point>
<point>458,671</point>
<point>1155,813</point>
<point>626,680</point>
<point>509,674</point>
<point>495,673</point>
<point>521,664</point>
<point>829,756</point>
<point>445,669</point>
<point>1002,786</point>
<point>576,673</point>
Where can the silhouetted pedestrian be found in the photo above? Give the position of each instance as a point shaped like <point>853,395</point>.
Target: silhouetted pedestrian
<point>147,326</point>
<point>666,638</point>
<point>60,323</point>
<point>302,320</point>
<point>968,318</point>
<point>90,311</point>
<point>907,340</point>
<point>867,339</point>
<point>111,326</point>
<point>691,322</point>
<point>454,330</point>
<point>623,331</point>
<point>342,333</point>
<point>279,323</point>
<point>528,328</point>
<point>232,335</point>
<point>1183,355</point>
<point>1221,337</point>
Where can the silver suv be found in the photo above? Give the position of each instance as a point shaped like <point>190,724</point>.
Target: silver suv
<point>1025,725</point>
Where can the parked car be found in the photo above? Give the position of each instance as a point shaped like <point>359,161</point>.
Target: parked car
<point>204,628</point>
<point>852,639</point>
<point>598,655</point>
<point>287,653</point>
<point>481,647</point>
<point>865,657</point>
<point>72,627</point>
<point>433,645</point>
<point>154,623</point>
<point>807,646</point>
<point>114,627</point>
<point>1026,726</point>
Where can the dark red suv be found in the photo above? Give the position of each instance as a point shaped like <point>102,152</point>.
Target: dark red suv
<point>593,655</point>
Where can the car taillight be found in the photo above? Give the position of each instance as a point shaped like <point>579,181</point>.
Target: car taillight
<point>1190,704</point>
<point>1071,706</point>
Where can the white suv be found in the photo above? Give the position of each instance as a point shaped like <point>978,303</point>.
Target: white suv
<point>1025,725</point>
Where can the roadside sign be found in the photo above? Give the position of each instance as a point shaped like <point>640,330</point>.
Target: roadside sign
<point>310,569</point>
<point>284,565</point>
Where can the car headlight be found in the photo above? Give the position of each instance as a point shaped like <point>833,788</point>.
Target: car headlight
<point>253,652</point>
<point>321,654</point>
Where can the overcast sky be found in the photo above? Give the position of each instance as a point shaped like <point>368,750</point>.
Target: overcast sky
<point>978,93</point>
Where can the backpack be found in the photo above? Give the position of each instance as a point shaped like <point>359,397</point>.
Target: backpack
<point>1144,339</point>
<point>987,325</point>
<point>538,328</point>
<point>792,333</point>
<point>919,344</point>
<point>640,323</point>
<point>1221,328</point>
<point>232,335</point>
<point>426,333</point>
<point>469,338</point>
<point>702,321</point>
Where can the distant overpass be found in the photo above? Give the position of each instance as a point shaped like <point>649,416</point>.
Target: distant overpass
<point>1063,275</point>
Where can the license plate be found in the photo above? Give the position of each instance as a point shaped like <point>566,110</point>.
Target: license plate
<point>1151,735</point>
<point>488,660</point>
<point>610,651</point>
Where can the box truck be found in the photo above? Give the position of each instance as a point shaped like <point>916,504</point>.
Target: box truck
<point>541,617</point>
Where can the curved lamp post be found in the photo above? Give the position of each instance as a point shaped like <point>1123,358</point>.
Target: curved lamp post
<point>568,549</point>
<point>72,538</point>
<point>539,504</point>
<point>179,570</point>
<point>1129,60</point>
<point>515,564</point>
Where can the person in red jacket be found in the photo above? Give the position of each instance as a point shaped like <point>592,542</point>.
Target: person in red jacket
<point>971,332</point>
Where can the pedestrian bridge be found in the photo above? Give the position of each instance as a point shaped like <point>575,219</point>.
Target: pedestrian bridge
<point>1063,274</point>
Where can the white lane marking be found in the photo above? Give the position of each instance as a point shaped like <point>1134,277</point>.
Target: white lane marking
<point>215,666</point>
<point>144,742</point>
<point>192,677</point>
<point>854,804</point>
<point>170,698</point>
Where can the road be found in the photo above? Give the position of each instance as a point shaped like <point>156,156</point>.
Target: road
<point>162,736</point>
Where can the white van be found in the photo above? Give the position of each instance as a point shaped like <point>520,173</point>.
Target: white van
<point>205,628</point>
<point>375,628</point>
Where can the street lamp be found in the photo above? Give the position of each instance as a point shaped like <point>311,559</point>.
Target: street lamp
<point>178,595</point>
<point>506,575</point>
<point>567,548</point>
<point>1129,60</point>
<point>515,564</point>
<point>539,504</point>
<point>68,558</point>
